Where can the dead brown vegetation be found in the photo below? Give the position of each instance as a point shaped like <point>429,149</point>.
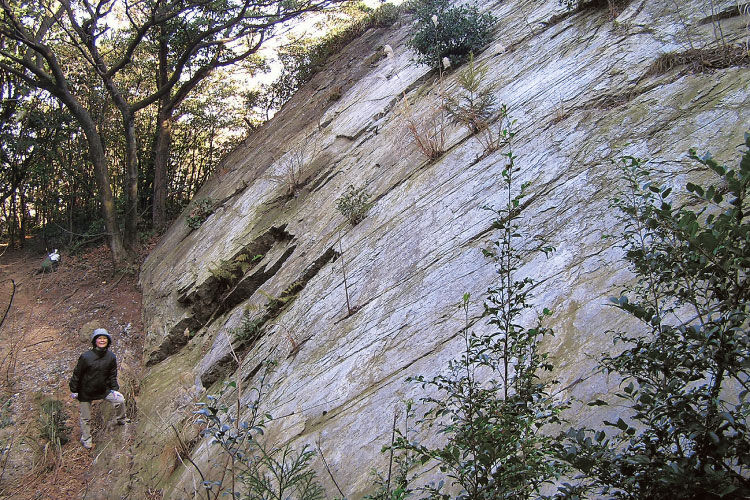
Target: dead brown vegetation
<point>701,60</point>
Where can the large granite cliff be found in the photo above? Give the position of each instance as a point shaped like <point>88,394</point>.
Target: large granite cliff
<point>582,89</point>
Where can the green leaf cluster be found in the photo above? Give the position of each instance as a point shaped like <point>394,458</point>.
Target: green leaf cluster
<point>199,213</point>
<point>685,370</point>
<point>249,329</point>
<point>474,103</point>
<point>255,469</point>
<point>354,204</point>
<point>453,32</point>
<point>492,405</point>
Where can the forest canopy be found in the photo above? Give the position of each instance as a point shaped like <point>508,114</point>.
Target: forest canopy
<point>114,112</point>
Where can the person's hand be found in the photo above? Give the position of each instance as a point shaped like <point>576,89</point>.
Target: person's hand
<point>74,395</point>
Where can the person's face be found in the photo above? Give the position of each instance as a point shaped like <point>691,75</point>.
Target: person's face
<point>101,341</point>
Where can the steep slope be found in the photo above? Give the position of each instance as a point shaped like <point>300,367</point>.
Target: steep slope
<point>582,91</point>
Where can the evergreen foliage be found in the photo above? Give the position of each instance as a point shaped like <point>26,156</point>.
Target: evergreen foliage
<point>354,204</point>
<point>453,32</point>
<point>494,446</point>
<point>685,370</point>
<point>249,329</point>
<point>255,469</point>
<point>474,103</point>
<point>199,213</point>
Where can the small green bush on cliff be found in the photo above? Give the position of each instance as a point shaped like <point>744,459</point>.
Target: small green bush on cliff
<point>453,32</point>
<point>685,371</point>
<point>252,468</point>
<point>474,106</point>
<point>354,204</point>
<point>199,213</point>
<point>495,444</point>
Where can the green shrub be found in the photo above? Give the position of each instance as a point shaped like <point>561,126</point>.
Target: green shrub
<point>199,213</point>
<point>52,422</point>
<point>494,442</point>
<point>452,32</point>
<point>268,472</point>
<point>249,329</point>
<point>473,103</point>
<point>685,369</point>
<point>474,106</point>
<point>354,204</point>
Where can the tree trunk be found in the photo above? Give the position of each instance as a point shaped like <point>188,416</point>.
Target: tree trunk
<point>98,160</point>
<point>162,137</point>
<point>12,220</point>
<point>162,147</point>
<point>22,219</point>
<point>131,181</point>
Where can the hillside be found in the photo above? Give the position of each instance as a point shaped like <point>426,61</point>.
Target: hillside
<point>48,324</point>
<point>347,313</point>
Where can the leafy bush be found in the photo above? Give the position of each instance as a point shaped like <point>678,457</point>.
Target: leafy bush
<point>199,213</point>
<point>354,204</point>
<point>685,371</point>
<point>249,329</point>
<point>452,32</point>
<point>263,471</point>
<point>494,447</point>
<point>473,105</point>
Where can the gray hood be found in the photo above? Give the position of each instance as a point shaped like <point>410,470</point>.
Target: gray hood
<point>99,332</point>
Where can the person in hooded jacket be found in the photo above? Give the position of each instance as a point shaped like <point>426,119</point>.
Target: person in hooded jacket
<point>94,378</point>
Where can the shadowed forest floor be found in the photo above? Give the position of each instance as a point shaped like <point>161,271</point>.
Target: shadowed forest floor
<point>47,327</point>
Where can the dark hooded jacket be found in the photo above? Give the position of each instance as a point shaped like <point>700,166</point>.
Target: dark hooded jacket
<point>95,373</point>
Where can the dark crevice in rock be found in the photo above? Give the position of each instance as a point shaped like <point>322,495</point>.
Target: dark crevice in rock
<point>252,373</point>
<point>206,301</point>
<point>177,337</point>
<point>323,176</point>
<point>324,179</point>
<point>273,308</point>
<point>701,60</point>
<point>249,285</point>
<point>728,13</point>
<point>614,7</point>
<point>219,370</point>
<point>613,100</point>
<point>231,282</point>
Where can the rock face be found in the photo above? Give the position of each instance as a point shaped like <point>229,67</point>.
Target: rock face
<point>269,263</point>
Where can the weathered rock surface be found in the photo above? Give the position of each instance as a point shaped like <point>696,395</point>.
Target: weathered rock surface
<point>581,92</point>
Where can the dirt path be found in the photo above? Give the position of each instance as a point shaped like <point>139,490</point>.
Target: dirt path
<point>46,329</point>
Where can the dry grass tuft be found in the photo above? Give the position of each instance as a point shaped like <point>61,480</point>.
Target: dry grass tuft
<point>130,387</point>
<point>427,131</point>
<point>701,60</point>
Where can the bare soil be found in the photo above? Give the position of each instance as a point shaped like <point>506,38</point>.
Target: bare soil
<point>47,326</point>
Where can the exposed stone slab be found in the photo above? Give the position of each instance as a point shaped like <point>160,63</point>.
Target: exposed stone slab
<point>581,92</point>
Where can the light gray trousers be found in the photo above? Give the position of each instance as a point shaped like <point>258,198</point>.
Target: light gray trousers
<point>115,398</point>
